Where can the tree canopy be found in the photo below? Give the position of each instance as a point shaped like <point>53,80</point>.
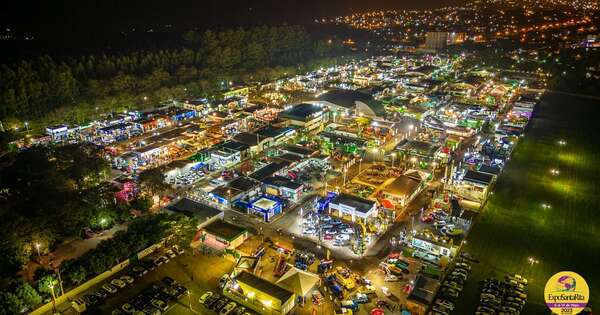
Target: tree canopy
<point>29,89</point>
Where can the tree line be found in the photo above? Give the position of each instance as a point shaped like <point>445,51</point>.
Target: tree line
<point>30,89</point>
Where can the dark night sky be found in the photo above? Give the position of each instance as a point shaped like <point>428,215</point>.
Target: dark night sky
<point>118,13</point>
<point>77,24</point>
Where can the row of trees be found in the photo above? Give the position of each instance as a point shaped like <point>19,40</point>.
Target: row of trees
<point>31,89</point>
<point>48,194</point>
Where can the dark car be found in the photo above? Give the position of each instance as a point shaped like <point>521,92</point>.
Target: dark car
<point>168,280</point>
<point>212,300</point>
<point>148,264</point>
<point>219,304</point>
<point>138,271</point>
<point>91,299</point>
<point>181,290</point>
<point>170,291</point>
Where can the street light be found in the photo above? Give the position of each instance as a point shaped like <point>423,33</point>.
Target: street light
<point>533,261</point>
<point>37,247</point>
<point>51,286</point>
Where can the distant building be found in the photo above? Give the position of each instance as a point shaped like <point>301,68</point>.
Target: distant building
<point>261,295</point>
<point>439,40</point>
<point>355,102</point>
<point>353,206</point>
<point>309,117</point>
<point>403,189</point>
<point>204,214</point>
<point>436,40</point>
<point>475,185</point>
<point>221,235</point>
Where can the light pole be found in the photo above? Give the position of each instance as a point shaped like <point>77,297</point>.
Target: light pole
<point>51,286</point>
<point>60,283</point>
<point>37,247</point>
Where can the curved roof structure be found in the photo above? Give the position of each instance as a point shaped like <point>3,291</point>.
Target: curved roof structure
<point>352,99</point>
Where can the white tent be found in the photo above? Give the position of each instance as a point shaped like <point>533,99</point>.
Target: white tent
<point>299,281</point>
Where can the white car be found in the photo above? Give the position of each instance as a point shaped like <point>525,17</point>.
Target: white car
<point>386,291</point>
<point>309,231</point>
<point>342,237</point>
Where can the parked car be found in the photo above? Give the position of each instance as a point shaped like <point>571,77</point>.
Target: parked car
<point>240,310</point>
<point>391,278</point>
<point>128,308</point>
<point>463,266</point>
<point>170,253</point>
<point>205,297</point>
<point>440,309</point>
<point>109,288</point>
<point>212,300</point>
<point>139,271</point>
<point>159,304</point>
<point>228,308</point>
<point>219,304</point>
<point>445,303</point>
<point>386,291</point>
<point>126,279</point>
<point>168,280</point>
<point>342,237</point>
<point>449,292</point>
<point>178,250</point>
<point>118,283</point>
<point>101,294</point>
<point>361,298</point>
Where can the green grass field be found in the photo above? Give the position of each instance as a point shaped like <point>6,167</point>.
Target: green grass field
<point>514,226</point>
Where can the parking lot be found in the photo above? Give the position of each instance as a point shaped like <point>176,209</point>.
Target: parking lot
<point>193,275</point>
